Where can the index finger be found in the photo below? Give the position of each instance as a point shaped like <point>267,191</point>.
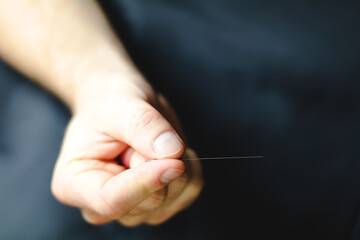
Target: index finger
<point>114,197</point>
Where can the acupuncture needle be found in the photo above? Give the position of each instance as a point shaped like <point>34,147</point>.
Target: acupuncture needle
<point>215,158</point>
<point>220,158</point>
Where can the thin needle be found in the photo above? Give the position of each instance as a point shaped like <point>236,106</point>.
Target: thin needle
<point>221,158</point>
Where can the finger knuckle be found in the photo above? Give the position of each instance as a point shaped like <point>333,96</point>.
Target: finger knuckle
<point>130,221</point>
<point>107,209</point>
<point>145,118</point>
<point>180,182</point>
<point>93,220</point>
<point>197,185</point>
<point>152,202</point>
<point>56,189</point>
<point>193,193</point>
<point>156,199</point>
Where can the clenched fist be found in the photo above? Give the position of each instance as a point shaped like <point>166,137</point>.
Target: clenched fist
<point>119,159</point>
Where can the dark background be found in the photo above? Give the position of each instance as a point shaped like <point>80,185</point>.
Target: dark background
<point>272,78</point>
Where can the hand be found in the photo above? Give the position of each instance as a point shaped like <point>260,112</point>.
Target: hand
<point>101,169</point>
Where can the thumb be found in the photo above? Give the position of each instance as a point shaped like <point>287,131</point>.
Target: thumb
<point>143,128</point>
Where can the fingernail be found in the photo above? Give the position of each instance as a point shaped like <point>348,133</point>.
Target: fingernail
<point>167,144</point>
<point>170,175</point>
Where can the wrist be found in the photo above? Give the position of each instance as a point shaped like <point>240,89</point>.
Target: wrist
<point>78,78</point>
<point>99,87</point>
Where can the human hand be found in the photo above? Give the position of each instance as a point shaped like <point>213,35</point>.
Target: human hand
<point>119,120</point>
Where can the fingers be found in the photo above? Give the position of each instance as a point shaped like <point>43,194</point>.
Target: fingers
<point>94,218</point>
<point>186,198</point>
<point>179,195</point>
<point>132,221</point>
<point>193,187</point>
<point>154,201</point>
<point>86,175</point>
<point>133,159</point>
<point>105,196</point>
<point>142,127</point>
<point>83,142</point>
<point>169,113</point>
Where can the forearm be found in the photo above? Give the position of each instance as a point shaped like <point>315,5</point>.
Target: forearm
<point>61,44</point>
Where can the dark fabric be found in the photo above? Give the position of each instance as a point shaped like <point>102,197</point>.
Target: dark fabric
<point>273,78</point>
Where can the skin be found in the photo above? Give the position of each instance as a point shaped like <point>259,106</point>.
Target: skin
<point>68,47</point>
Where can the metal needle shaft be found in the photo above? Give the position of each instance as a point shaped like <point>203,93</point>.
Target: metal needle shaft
<point>214,158</point>
<point>221,158</point>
